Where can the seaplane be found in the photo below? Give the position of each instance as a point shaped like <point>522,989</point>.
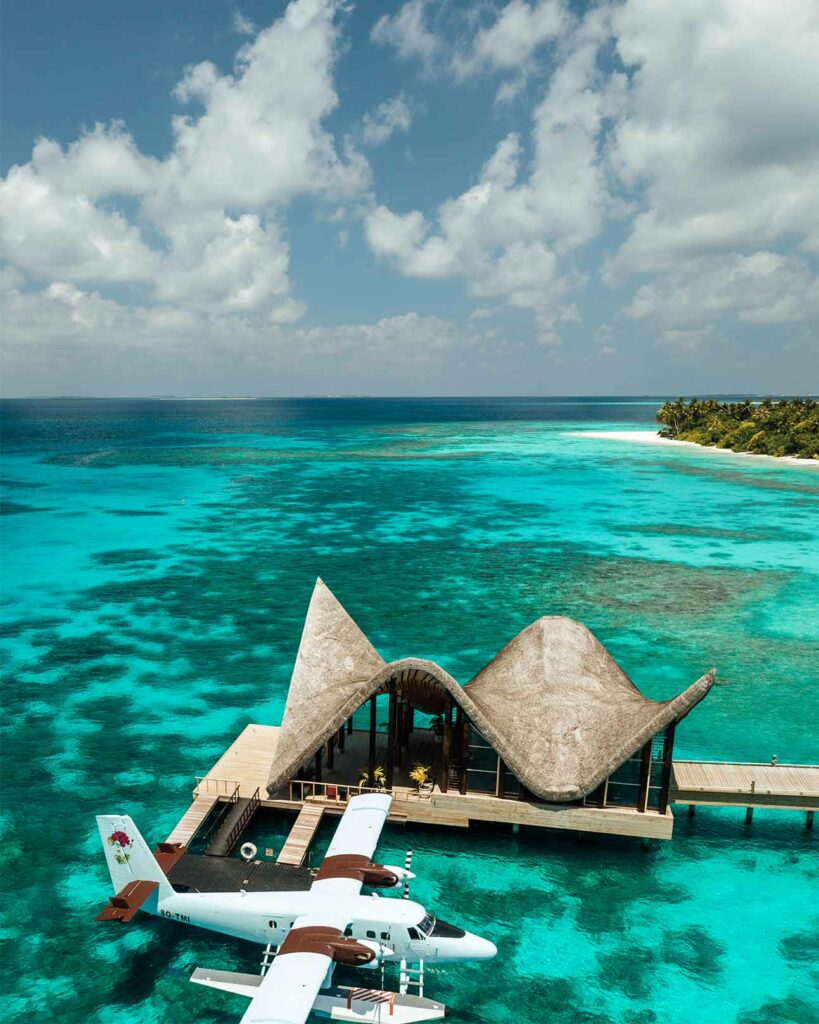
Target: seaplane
<point>306,933</point>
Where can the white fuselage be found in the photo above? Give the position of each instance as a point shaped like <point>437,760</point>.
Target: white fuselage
<point>267,917</point>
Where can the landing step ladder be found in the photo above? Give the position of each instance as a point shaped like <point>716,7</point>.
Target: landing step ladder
<point>411,976</point>
<point>268,957</point>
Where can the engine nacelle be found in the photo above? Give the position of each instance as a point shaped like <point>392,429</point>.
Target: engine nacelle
<point>401,874</point>
<point>379,951</point>
<point>362,869</point>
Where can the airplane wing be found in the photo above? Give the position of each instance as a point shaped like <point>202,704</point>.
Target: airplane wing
<point>348,859</point>
<point>289,989</point>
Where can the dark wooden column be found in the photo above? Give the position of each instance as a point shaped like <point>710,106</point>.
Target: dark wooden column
<point>398,730</point>
<point>668,761</point>
<point>318,765</point>
<point>501,787</point>
<point>390,735</point>
<point>341,740</point>
<point>645,778</point>
<point>330,749</point>
<point>371,761</point>
<point>447,744</point>
<point>465,749</point>
<point>410,720</point>
<point>350,726</point>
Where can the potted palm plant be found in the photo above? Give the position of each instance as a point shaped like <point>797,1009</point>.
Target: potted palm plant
<point>379,777</point>
<point>421,775</point>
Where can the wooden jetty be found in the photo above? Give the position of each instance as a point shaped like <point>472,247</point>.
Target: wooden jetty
<point>301,835</point>
<point>244,767</point>
<point>792,787</point>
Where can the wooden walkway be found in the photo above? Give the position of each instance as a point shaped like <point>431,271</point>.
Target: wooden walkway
<point>722,784</point>
<point>248,759</point>
<point>190,821</point>
<point>301,835</point>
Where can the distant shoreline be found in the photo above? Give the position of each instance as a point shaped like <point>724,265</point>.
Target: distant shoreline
<point>652,437</point>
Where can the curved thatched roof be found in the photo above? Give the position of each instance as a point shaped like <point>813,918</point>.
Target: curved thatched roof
<point>553,703</point>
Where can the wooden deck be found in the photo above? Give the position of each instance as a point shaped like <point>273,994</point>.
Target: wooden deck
<point>301,835</point>
<point>190,821</point>
<point>721,784</point>
<point>247,760</point>
<point>246,763</point>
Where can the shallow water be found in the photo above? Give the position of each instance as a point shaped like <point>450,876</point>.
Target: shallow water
<point>158,558</point>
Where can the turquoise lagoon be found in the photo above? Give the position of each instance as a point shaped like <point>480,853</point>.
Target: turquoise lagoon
<point>158,557</point>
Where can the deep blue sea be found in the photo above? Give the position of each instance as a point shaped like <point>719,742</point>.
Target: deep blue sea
<point>158,557</point>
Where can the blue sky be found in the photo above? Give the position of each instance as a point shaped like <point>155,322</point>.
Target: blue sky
<point>425,197</point>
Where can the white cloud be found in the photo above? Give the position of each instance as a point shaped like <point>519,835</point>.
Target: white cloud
<point>408,33</point>
<point>512,235</point>
<point>393,115</point>
<point>242,24</point>
<point>470,40</point>
<point>64,316</point>
<point>510,41</point>
<point>49,231</point>
<point>721,137</point>
<point>201,227</point>
<point>762,288</point>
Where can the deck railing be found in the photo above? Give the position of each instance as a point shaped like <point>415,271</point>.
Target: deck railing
<point>328,792</point>
<point>242,821</point>
<point>207,785</point>
<point>219,817</point>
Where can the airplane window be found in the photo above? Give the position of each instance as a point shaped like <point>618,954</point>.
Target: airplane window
<point>348,930</point>
<point>385,935</point>
<point>273,924</point>
<point>370,935</point>
<point>413,934</point>
<point>426,924</point>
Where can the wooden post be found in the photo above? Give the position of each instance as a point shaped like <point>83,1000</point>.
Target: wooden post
<point>318,765</point>
<point>645,778</point>
<point>749,815</point>
<point>447,744</point>
<point>350,726</point>
<point>465,749</point>
<point>809,819</point>
<point>371,761</point>
<point>398,742</point>
<point>410,720</point>
<point>330,747</point>
<point>390,736</point>
<point>668,763</point>
<point>500,780</point>
<point>523,792</point>
<point>341,740</point>
<point>691,809</point>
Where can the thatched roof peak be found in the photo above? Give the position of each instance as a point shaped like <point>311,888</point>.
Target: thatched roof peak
<point>553,702</point>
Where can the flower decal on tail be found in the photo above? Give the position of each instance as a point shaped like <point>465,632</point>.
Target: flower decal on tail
<point>121,840</point>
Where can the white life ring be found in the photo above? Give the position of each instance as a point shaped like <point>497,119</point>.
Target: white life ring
<point>248,851</point>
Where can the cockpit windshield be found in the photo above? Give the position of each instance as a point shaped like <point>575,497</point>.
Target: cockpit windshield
<point>426,925</point>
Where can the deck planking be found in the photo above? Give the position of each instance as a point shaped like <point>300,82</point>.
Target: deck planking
<point>247,761</point>
<point>725,784</point>
<point>192,819</point>
<point>301,835</point>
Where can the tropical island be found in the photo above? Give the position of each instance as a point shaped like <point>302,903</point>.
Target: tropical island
<point>786,427</point>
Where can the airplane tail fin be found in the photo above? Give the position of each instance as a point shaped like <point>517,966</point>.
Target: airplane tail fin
<point>128,856</point>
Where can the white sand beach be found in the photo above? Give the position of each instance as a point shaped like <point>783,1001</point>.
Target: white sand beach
<point>652,437</point>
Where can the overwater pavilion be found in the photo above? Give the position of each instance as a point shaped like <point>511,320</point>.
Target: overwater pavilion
<point>551,732</point>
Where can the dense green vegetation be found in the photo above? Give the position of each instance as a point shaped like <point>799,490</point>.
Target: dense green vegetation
<point>786,427</point>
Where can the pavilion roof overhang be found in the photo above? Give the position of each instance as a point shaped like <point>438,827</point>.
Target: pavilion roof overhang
<point>553,703</point>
